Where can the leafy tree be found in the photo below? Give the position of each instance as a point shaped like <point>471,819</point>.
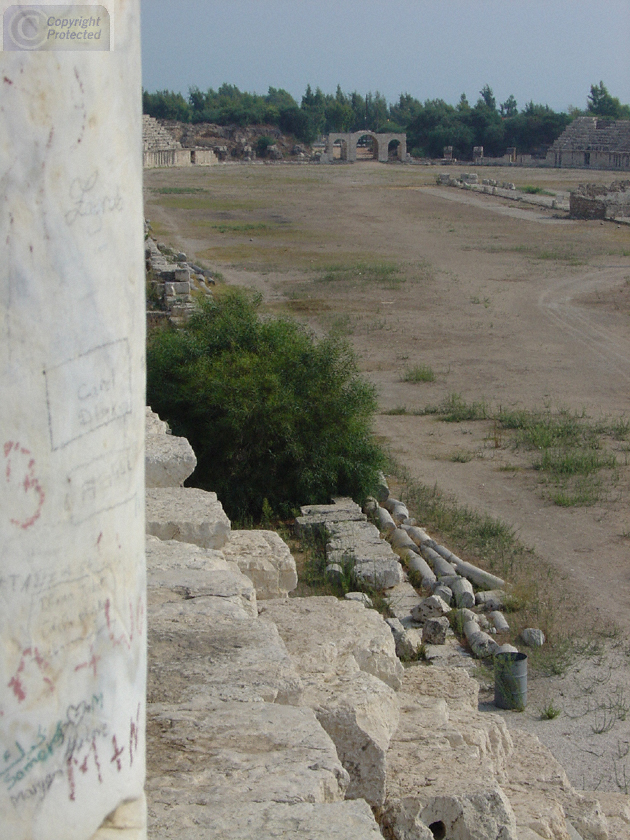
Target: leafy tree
<point>602,104</point>
<point>509,108</point>
<point>488,97</point>
<point>271,412</point>
<point>166,105</point>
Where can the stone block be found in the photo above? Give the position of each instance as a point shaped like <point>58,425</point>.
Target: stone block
<point>348,820</point>
<point>176,288</point>
<point>168,460</point>
<point>380,573</point>
<point>186,514</point>
<point>200,655</point>
<point>325,635</point>
<point>181,571</point>
<point>435,630</point>
<point>431,607</point>
<point>266,560</point>
<point>239,753</point>
<point>152,423</point>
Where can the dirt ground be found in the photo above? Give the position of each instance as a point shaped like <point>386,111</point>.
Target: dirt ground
<point>509,305</point>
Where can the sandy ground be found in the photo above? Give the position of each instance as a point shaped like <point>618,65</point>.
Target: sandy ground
<point>507,304</point>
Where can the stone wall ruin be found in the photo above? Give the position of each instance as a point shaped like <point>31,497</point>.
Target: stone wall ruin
<point>349,141</point>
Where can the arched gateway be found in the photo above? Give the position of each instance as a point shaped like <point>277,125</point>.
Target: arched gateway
<point>349,142</point>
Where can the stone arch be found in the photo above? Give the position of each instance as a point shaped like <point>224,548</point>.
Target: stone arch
<point>393,149</point>
<point>381,142</point>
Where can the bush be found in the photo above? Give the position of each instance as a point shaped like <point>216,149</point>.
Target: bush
<point>271,412</point>
<point>262,144</point>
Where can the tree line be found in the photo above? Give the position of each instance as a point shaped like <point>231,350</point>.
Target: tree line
<point>430,125</point>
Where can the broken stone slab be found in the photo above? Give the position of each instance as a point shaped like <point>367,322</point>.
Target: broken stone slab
<point>434,631</point>
<point>177,571</point>
<point>168,460</point>
<point>335,635</point>
<point>383,573</point>
<point>343,534</point>
<point>361,597</point>
<point>186,514</point>
<point>347,820</point>
<point>370,506</point>
<point>198,654</point>
<point>533,637</point>
<point>239,753</point>
<point>321,515</point>
<point>152,423</point>
<point>360,714</point>
<point>431,607</point>
<point>265,558</point>
<point>444,592</point>
<point>447,762</point>
<point>401,600</point>
<point>407,641</point>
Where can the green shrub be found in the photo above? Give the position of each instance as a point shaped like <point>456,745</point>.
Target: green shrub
<point>262,144</point>
<point>272,412</point>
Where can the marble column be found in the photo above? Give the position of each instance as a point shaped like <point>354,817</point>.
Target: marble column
<point>72,579</point>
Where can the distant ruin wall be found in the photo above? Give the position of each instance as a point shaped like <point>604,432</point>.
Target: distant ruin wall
<point>349,141</point>
<point>597,201</point>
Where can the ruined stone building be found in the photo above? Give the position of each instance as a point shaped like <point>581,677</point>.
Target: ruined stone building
<point>593,143</point>
<point>160,148</point>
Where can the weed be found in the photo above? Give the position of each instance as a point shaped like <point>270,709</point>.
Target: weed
<point>549,711</point>
<point>399,409</point>
<point>455,409</point>
<point>461,457</point>
<point>418,373</point>
<point>387,273</point>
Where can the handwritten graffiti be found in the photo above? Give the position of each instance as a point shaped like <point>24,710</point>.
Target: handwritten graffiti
<point>87,203</point>
<point>26,495</point>
<point>17,682</point>
<point>136,623</point>
<point>72,734</point>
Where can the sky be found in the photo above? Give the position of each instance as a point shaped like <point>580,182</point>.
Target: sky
<point>548,51</point>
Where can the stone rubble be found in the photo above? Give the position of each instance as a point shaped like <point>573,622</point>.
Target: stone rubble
<point>290,717</point>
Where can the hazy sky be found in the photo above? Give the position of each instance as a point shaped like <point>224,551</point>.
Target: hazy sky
<point>549,51</point>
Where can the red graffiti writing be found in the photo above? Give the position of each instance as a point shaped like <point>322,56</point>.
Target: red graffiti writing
<point>22,479</point>
<point>90,663</point>
<point>117,753</point>
<point>16,683</point>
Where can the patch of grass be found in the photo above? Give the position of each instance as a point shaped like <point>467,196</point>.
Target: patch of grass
<point>387,273</point>
<point>177,190</point>
<point>399,409</point>
<point>530,189</point>
<point>236,227</point>
<point>455,409</point>
<point>461,457</point>
<point>550,711</point>
<point>418,373</point>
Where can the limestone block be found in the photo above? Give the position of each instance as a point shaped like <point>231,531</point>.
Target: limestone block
<point>407,641</point>
<point>335,635</point>
<point>385,521</point>
<point>447,762</point>
<point>174,289</point>
<point>177,570</point>
<point>239,753</point>
<point>168,460</point>
<point>435,630</point>
<point>382,488</point>
<point>361,597</point>
<point>431,607</point>
<point>188,515</point>
<point>199,654</point>
<point>493,599</point>
<point>401,600</point>
<point>381,573</point>
<point>499,621</point>
<point>360,713</point>
<point>533,637</point>
<point>266,560</point>
<point>348,820</point>
<point>152,423</point>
